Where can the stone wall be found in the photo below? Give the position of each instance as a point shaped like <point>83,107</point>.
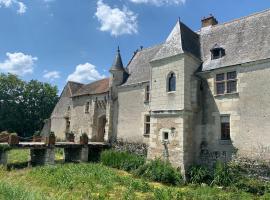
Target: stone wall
<point>174,112</point>
<point>160,98</point>
<point>248,109</point>
<point>132,110</point>
<point>87,122</point>
<point>58,121</point>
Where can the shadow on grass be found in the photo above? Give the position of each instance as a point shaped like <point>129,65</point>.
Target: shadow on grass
<point>27,164</point>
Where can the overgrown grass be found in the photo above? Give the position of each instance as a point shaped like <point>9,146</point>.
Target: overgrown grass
<point>121,160</point>
<point>95,181</point>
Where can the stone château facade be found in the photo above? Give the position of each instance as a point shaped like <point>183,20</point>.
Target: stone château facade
<point>197,97</point>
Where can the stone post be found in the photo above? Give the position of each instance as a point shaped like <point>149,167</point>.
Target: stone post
<point>84,153</point>
<point>3,158</point>
<point>79,154</point>
<point>42,156</point>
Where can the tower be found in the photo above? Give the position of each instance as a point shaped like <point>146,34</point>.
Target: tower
<point>118,77</point>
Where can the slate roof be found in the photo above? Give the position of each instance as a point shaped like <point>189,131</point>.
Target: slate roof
<point>139,67</point>
<point>117,64</point>
<point>97,87</point>
<point>181,39</point>
<point>244,40</point>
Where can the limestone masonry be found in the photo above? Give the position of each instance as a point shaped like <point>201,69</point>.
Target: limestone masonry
<point>197,98</point>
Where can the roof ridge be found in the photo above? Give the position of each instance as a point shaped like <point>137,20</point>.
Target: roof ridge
<point>148,48</point>
<point>242,18</point>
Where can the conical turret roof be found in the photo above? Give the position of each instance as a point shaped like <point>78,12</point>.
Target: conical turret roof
<point>117,64</point>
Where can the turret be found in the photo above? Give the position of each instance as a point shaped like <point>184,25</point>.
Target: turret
<point>117,70</point>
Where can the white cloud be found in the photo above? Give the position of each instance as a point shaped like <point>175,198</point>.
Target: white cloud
<point>21,7</point>
<point>18,63</point>
<point>160,2</point>
<point>51,75</point>
<point>115,20</point>
<point>85,73</point>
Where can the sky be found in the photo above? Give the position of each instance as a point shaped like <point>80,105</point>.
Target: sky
<point>59,40</point>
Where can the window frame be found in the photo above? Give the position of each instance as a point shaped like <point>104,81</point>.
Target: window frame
<point>225,136</point>
<point>220,52</point>
<point>147,93</point>
<point>87,107</point>
<point>146,124</point>
<point>225,83</point>
<point>169,79</point>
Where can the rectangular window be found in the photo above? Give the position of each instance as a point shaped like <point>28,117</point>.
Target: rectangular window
<point>226,83</point>
<point>147,93</point>
<point>225,127</point>
<point>87,106</point>
<point>147,125</point>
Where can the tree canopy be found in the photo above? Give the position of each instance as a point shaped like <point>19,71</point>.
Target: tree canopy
<point>25,105</point>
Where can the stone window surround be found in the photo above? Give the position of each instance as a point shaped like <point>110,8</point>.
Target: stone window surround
<point>169,76</point>
<point>161,135</point>
<point>225,81</point>
<point>147,94</point>
<point>145,125</point>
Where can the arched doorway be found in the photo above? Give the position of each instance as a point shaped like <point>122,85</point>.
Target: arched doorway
<point>101,128</point>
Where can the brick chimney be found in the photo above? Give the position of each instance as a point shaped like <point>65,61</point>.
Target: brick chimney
<point>209,21</point>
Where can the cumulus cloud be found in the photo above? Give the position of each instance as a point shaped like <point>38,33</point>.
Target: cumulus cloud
<point>116,21</point>
<point>160,2</point>
<point>85,73</point>
<point>51,75</point>
<point>21,7</point>
<point>18,63</point>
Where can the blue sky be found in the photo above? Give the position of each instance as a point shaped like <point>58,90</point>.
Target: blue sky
<point>57,40</point>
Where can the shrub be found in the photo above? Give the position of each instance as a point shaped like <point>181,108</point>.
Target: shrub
<point>158,170</point>
<point>252,185</point>
<point>121,160</point>
<point>223,175</point>
<point>199,174</point>
<point>4,148</point>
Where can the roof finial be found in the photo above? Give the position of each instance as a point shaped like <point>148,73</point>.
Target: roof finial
<point>179,19</point>
<point>118,49</point>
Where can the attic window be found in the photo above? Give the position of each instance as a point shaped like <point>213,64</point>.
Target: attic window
<point>217,52</point>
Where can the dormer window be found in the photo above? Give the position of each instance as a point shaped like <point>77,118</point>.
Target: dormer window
<point>217,52</point>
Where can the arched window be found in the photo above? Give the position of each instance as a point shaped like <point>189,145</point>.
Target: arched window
<point>171,82</point>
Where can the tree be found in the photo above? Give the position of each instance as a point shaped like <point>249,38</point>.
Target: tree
<point>25,105</point>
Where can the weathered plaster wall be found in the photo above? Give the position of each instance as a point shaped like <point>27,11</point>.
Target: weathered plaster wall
<point>58,121</point>
<point>160,98</point>
<point>248,109</point>
<point>132,110</point>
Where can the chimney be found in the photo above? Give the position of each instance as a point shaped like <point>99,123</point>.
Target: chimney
<point>209,21</point>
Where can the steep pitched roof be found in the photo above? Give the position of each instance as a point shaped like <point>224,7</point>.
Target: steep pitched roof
<point>117,64</point>
<point>244,40</point>
<point>181,39</point>
<point>139,67</point>
<point>97,87</point>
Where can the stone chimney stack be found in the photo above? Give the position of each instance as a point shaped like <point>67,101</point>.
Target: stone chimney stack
<point>209,21</point>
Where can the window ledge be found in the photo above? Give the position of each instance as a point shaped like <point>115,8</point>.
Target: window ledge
<point>227,94</point>
<point>146,135</point>
<point>171,92</point>
<point>225,142</point>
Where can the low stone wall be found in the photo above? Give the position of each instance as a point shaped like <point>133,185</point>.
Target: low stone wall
<point>253,168</point>
<point>137,148</point>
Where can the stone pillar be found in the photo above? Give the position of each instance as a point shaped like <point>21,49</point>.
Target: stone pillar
<point>42,156</point>
<point>84,153</point>
<point>3,158</point>
<point>79,154</point>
